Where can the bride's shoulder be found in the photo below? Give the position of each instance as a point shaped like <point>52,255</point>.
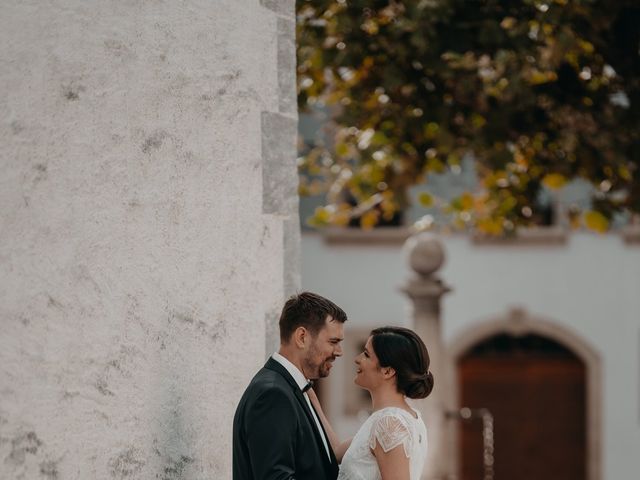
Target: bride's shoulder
<point>398,412</point>
<point>391,419</point>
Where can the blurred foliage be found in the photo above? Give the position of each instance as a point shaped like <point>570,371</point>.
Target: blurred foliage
<point>541,92</point>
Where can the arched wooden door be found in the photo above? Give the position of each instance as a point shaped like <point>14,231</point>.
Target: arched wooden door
<point>535,390</point>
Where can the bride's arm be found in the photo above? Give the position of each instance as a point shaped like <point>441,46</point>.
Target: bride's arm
<point>394,464</point>
<point>339,447</point>
<point>390,441</point>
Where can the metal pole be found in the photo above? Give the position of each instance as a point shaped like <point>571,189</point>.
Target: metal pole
<point>468,414</point>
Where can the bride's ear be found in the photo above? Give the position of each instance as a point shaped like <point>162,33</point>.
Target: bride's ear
<point>388,372</point>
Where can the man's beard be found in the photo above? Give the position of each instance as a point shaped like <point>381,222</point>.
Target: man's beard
<point>314,371</point>
<point>324,372</point>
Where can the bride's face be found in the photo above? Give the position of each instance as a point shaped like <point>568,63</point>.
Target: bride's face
<point>368,372</point>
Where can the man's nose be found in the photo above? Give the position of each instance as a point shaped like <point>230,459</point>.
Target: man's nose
<point>338,350</point>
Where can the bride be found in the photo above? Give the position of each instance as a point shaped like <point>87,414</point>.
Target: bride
<point>392,442</point>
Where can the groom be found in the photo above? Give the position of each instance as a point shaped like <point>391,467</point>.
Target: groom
<point>277,434</point>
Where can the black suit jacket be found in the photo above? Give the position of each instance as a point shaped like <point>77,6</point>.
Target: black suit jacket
<point>274,434</point>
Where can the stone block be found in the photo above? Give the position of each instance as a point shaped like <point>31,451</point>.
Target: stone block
<point>292,264</point>
<point>282,7</point>
<point>287,66</point>
<point>279,172</point>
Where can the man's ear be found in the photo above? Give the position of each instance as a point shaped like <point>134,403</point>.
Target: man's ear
<point>300,337</point>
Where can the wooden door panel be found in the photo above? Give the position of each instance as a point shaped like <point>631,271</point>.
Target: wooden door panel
<point>538,405</point>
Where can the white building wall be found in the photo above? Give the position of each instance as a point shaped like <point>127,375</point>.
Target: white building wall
<point>144,241</point>
<point>589,285</point>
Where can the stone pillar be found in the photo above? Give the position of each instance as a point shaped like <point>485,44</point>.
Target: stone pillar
<point>425,255</point>
<point>148,229</point>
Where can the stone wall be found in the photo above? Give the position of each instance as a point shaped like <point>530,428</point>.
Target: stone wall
<point>148,230</point>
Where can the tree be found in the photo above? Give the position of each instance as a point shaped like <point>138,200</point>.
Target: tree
<point>540,92</point>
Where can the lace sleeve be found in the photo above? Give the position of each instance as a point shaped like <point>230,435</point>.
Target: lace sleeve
<point>390,431</point>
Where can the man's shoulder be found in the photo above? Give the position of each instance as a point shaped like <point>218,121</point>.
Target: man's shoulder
<point>268,390</point>
<point>267,380</point>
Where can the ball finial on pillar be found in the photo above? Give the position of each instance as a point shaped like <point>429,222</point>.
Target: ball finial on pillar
<point>424,253</point>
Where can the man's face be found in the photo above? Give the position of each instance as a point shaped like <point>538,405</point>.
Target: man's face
<point>323,349</point>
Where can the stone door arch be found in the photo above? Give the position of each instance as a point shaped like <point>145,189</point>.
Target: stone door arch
<point>519,323</point>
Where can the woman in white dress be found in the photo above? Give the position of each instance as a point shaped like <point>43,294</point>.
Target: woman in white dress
<point>392,442</point>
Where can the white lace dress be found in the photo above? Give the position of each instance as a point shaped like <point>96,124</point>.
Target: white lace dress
<point>388,427</point>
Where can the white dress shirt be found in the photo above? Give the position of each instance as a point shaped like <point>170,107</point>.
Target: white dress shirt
<point>302,381</point>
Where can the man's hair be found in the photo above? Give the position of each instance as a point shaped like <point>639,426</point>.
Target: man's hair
<point>308,310</point>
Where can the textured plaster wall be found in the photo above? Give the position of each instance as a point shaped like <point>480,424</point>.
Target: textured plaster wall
<point>148,229</point>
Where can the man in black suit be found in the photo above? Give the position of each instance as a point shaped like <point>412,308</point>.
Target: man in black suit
<point>277,435</point>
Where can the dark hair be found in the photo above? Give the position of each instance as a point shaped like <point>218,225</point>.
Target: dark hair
<point>404,351</point>
<point>308,310</point>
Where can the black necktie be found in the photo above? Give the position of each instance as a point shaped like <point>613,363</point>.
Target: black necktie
<point>307,386</point>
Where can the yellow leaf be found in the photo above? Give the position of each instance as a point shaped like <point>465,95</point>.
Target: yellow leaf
<point>320,218</point>
<point>369,219</point>
<point>425,199</point>
<point>596,221</point>
<point>303,190</point>
<point>435,165</point>
<point>554,181</point>
<point>387,195</point>
<point>538,77</point>
<point>625,173</point>
<point>574,221</point>
<point>478,121</point>
<point>521,159</point>
<point>341,218</point>
<point>370,26</point>
<point>453,159</point>
<point>508,204</point>
<point>586,47</point>
<point>508,23</point>
<point>572,58</point>
<point>459,224</point>
<point>466,201</point>
<point>342,149</point>
<point>377,175</point>
<point>431,129</point>
<point>490,226</point>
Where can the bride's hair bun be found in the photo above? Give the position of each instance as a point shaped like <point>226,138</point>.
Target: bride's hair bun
<point>421,386</point>
<point>404,351</point>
